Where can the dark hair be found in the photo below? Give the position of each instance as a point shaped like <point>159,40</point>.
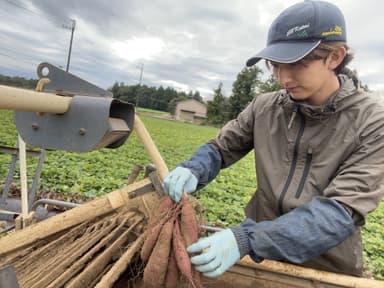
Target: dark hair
<point>325,48</point>
<point>322,51</point>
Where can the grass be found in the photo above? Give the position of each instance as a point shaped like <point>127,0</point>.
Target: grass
<point>150,112</point>
<point>99,172</point>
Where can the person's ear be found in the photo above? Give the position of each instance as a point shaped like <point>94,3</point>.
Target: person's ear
<point>336,57</point>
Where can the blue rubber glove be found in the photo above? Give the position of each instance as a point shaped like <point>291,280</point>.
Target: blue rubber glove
<point>178,181</point>
<point>223,252</point>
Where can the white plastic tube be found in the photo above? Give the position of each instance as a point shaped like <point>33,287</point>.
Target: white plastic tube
<point>23,179</point>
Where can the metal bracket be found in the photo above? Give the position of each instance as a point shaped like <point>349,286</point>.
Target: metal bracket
<point>155,185</point>
<point>64,83</point>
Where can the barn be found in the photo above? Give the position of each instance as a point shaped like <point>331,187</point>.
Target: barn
<point>191,111</point>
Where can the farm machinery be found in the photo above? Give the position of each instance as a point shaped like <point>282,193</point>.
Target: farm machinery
<point>96,244</point>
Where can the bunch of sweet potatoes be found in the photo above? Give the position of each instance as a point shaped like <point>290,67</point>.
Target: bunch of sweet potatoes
<point>164,253</point>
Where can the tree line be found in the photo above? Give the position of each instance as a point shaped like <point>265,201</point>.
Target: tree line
<point>220,109</point>
<point>248,84</point>
<point>156,98</point>
<point>16,81</point>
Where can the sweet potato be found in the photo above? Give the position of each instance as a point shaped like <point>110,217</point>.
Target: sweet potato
<point>171,280</point>
<point>189,225</point>
<point>166,210</point>
<point>156,268</point>
<point>150,241</point>
<point>165,205</point>
<point>181,255</point>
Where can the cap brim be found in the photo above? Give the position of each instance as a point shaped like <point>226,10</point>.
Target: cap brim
<point>285,52</point>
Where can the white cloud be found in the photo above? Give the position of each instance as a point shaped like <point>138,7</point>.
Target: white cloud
<point>193,45</point>
<point>177,85</point>
<point>138,48</point>
<point>207,93</point>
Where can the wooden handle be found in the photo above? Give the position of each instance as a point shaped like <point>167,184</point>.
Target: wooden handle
<point>29,100</point>
<point>151,148</point>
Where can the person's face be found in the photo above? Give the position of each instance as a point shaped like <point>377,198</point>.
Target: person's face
<point>310,80</point>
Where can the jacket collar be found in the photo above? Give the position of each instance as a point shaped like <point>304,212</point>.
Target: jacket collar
<point>340,100</point>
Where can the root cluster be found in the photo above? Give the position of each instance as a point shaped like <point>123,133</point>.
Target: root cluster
<point>174,227</point>
<point>94,254</point>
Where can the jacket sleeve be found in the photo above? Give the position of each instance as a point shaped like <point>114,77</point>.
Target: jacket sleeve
<point>205,164</point>
<point>233,142</point>
<point>236,138</point>
<point>359,182</point>
<point>297,236</point>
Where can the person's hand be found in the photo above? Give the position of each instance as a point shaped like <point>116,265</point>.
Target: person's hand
<point>178,181</point>
<point>219,252</point>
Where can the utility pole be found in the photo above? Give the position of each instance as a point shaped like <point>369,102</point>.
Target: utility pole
<point>140,81</point>
<point>72,28</point>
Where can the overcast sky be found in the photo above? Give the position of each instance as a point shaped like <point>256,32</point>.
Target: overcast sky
<point>186,44</point>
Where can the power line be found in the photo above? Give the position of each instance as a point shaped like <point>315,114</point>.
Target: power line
<point>33,52</point>
<point>71,26</point>
<point>17,54</point>
<point>19,5</point>
<point>11,53</point>
<point>19,59</point>
<point>34,62</point>
<point>53,21</point>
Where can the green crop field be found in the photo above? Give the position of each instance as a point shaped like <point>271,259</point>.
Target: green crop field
<point>99,172</point>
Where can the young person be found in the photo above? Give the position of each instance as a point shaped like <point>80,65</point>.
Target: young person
<point>319,153</point>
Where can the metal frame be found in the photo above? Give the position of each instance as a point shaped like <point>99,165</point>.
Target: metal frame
<point>32,192</point>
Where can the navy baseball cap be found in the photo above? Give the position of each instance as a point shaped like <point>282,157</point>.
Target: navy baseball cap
<point>299,29</point>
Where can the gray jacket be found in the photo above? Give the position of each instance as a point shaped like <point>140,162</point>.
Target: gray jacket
<point>302,152</point>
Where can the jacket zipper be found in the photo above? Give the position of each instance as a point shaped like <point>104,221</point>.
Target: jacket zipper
<point>293,116</point>
<point>307,165</point>
<point>293,164</point>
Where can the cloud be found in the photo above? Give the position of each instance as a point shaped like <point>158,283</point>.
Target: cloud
<point>192,45</point>
<point>138,48</point>
<point>175,84</point>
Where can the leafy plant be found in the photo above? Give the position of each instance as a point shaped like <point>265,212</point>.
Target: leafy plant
<point>99,172</point>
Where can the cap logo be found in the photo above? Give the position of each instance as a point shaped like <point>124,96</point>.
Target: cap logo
<point>337,30</point>
<point>297,29</point>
